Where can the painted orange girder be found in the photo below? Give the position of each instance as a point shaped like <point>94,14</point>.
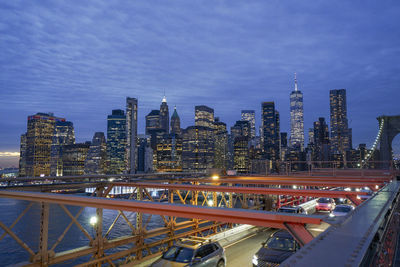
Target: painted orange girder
<point>248,190</point>
<point>258,218</point>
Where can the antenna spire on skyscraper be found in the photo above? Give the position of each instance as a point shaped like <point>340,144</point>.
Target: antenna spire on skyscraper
<point>164,100</point>
<point>295,82</point>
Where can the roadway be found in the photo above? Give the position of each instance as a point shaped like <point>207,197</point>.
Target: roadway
<point>240,253</point>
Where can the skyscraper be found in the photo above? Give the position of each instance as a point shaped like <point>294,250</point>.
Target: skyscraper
<point>270,122</point>
<point>39,136</point>
<point>340,132</point>
<point>175,123</point>
<point>153,121</point>
<point>197,148</point>
<point>97,155</point>
<point>164,115</point>
<point>241,154</point>
<point>131,131</point>
<point>321,141</point>
<point>73,159</point>
<point>116,142</point>
<point>220,145</point>
<point>22,157</point>
<point>64,134</point>
<point>250,116</point>
<point>296,118</point>
<point>204,116</point>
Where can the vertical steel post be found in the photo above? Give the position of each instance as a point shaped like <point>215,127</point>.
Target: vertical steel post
<point>99,242</point>
<point>139,226</point>
<point>44,234</point>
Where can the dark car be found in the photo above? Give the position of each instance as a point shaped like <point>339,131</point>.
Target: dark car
<point>193,251</point>
<point>278,247</point>
<point>289,209</point>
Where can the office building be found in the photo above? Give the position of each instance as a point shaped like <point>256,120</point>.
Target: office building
<point>96,160</point>
<point>175,123</point>
<point>250,116</point>
<point>22,156</point>
<point>116,142</point>
<point>296,118</point>
<point>197,149</point>
<point>241,154</point>
<point>220,145</point>
<point>204,116</point>
<point>74,158</point>
<point>153,121</point>
<point>145,154</point>
<point>64,134</point>
<point>340,132</point>
<point>131,134</point>
<point>164,115</point>
<point>168,153</point>
<point>241,128</point>
<point>39,136</point>
<point>271,136</point>
<point>322,147</point>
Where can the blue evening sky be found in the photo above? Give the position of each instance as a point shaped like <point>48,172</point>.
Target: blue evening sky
<point>80,59</point>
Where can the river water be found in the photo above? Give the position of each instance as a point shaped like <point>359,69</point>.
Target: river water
<point>27,229</point>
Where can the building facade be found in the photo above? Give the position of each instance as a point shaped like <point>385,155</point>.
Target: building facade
<point>74,158</point>
<point>64,134</point>
<point>116,142</point>
<point>164,115</point>
<point>96,160</point>
<point>175,123</point>
<point>197,149</point>
<point>39,136</point>
<point>271,136</point>
<point>131,134</point>
<point>296,118</point>
<point>340,132</point>
<point>250,116</point>
<point>204,116</point>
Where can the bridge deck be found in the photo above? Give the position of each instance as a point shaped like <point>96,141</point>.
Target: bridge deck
<point>346,243</point>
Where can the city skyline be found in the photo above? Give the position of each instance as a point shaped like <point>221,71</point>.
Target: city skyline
<point>64,76</point>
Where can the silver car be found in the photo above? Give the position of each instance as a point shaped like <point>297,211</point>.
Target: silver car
<point>194,251</point>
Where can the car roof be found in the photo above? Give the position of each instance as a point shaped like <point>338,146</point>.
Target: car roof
<point>193,242</point>
<point>344,206</point>
<point>282,233</point>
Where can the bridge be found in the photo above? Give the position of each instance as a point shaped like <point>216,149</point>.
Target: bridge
<point>194,205</point>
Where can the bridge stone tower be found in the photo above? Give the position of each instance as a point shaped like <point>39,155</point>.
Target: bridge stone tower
<point>390,128</point>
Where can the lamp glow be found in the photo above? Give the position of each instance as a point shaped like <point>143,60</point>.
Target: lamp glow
<point>93,220</point>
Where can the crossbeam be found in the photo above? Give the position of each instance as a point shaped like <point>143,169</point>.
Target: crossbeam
<point>312,178</point>
<point>252,217</point>
<point>249,190</point>
<point>290,182</point>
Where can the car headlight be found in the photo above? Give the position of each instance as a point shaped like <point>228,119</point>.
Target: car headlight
<point>255,260</point>
<point>331,215</point>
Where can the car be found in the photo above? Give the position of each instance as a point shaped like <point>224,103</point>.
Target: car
<point>193,251</point>
<point>341,210</point>
<point>289,209</point>
<point>325,204</point>
<point>279,246</point>
<point>367,196</point>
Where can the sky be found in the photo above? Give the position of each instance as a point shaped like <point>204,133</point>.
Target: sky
<point>81,59</point>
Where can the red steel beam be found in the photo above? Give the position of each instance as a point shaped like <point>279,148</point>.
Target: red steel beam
<point>311,178</point>
<point>320,183</point>
<point>248,190</point>
<point>252,217</point>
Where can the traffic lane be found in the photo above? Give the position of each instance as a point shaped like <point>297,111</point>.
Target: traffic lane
<point>240,253</point>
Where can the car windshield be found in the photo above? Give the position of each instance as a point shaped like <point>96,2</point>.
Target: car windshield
<point>342,209</point>
<point>280,243</point>
<point>287,210</point>
<point>179,254</point>
<point>324,200</point>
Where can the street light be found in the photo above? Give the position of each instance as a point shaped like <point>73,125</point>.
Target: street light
<point>215,177</point>
<point>93,220</point>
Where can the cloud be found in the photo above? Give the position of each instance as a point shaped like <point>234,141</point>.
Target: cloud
<point>9,154</point>
<point>80,61</point>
